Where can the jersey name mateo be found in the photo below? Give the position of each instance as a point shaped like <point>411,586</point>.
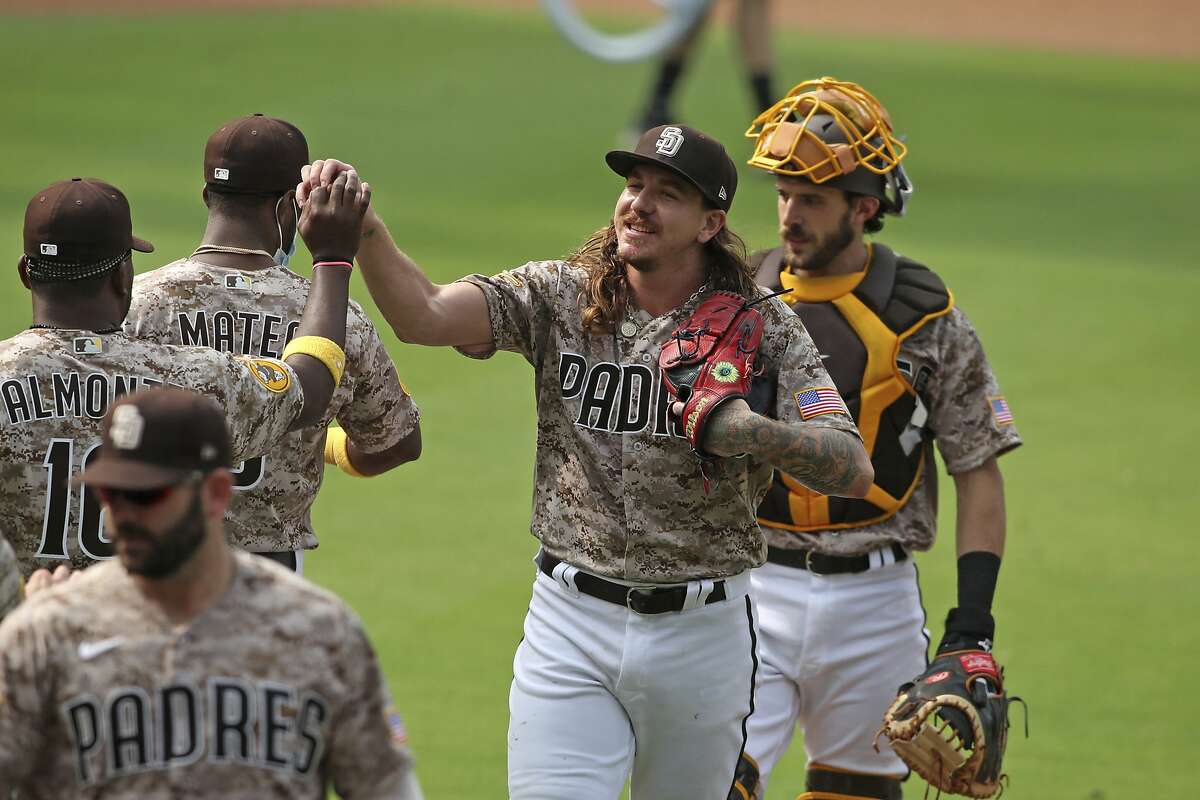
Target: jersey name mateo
<point>236,331</point>
<point>618,398</point>
<point>228,720</point>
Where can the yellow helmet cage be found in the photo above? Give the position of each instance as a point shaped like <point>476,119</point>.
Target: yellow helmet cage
<point>785,145</point>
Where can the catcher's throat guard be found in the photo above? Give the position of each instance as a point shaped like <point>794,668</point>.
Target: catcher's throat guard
<point>834,132</point>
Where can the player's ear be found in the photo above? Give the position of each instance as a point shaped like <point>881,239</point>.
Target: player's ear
<point>23,272</point>
<point>218,492</point>
<point>865,207</point>
<point>714,220</point>
<point>204,196</point>
<point>122,278</point>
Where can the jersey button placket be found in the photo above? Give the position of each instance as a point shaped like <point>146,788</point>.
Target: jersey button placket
<point>636,449</point>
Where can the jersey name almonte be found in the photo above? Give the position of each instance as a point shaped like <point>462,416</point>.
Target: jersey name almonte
<point>56,386</point>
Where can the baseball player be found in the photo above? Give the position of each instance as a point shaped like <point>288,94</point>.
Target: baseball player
<point>184,668</point>
<point>638,657</point>
<point>235,293</point>
<point>58,377</point>
<point>842,625</point>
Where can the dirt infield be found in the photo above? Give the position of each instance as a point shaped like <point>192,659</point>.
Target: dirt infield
<point>1167,28</point>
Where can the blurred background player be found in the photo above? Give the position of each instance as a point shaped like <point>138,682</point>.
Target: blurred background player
<point>752,23</point>
<point>839,606</point>
<point>185,668</point>
<point>58,378</point>
<point>235,293</point>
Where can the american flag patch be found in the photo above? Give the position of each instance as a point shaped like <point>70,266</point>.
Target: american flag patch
<point>1000,410</point>
<point>818,401</point>
<point>396,726</point>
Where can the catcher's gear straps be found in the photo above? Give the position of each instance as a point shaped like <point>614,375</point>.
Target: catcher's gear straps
<point>745,779</point>
<point>862,319</point>
<point>830,783</point>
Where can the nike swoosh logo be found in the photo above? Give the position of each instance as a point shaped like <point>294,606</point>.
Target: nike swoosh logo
<point>89,650</point>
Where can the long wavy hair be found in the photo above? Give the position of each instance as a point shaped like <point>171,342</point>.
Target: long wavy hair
<point>607,290</point>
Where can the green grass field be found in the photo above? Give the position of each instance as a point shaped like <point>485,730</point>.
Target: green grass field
<point>1053,192</point>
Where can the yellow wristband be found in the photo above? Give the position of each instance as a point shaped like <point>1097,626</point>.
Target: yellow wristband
<point>337,447</point>
<point>333,438</point>
<point>324,350</point>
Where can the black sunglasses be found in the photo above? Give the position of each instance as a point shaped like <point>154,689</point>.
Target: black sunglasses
<point>138,497</point>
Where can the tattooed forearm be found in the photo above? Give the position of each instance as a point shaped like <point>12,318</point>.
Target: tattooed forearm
<point>823,459</point>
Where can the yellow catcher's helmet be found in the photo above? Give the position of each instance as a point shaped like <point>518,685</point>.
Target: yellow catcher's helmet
<point>833,132</point>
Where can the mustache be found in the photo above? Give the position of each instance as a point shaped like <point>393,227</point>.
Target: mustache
<point>636,220</point>
<point>794,231</point>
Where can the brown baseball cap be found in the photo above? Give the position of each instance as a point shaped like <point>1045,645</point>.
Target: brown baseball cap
<point>699,158</point>
<point>77,229</point>
<point>159,437</point>
<point>255,155</point>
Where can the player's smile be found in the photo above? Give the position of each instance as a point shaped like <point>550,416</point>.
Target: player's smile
<point>637,229</point>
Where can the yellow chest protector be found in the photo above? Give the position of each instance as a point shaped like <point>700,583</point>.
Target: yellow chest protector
<point>858,323</point>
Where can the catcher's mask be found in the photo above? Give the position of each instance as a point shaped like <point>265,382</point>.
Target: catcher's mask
<point>834,133</point>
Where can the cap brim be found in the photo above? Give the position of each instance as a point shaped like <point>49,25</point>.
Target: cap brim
<point>622,162</point>
<point>141,245</point>
<point>117,474</point>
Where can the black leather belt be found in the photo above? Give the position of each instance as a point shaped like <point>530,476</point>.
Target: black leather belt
<point>819,564</point>
<point>643,601</point>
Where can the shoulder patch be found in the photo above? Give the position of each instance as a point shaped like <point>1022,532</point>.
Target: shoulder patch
<point>513,280</point>
<point>396,727</point>
<point>269,372</point>
<point>1001,413</point>
<point>820,400</point>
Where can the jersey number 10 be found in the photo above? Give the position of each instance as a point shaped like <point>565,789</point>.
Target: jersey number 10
<point>93,543</point>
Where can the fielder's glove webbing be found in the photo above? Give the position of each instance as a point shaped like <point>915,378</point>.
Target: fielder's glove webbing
<point>950,724</point>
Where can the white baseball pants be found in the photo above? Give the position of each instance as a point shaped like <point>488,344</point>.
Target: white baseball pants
<point>834,651</point>
<point>602,694</point>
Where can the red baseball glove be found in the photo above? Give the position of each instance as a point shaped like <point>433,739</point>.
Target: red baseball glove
<point>709,359</point>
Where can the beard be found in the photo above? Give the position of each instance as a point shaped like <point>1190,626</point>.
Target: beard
<point>170,550</point>
<point>827,249</point>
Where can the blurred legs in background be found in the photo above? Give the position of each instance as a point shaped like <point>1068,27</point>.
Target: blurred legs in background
<point>752,23</point>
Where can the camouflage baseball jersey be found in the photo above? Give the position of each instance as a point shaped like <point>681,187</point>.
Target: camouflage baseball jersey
<point>55,386</point>
<point>968,417</point>
<point>10,578</point>
<point>256,312</point>
<point>272,692</point>
<point>619,492</point>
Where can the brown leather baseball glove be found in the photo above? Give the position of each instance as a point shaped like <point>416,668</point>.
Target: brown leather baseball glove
<point>950,724</point>
<point>709,359</point>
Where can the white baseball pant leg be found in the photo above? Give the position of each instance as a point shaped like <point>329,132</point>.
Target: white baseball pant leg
<point>602,694</point>
<point>834,651</point>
